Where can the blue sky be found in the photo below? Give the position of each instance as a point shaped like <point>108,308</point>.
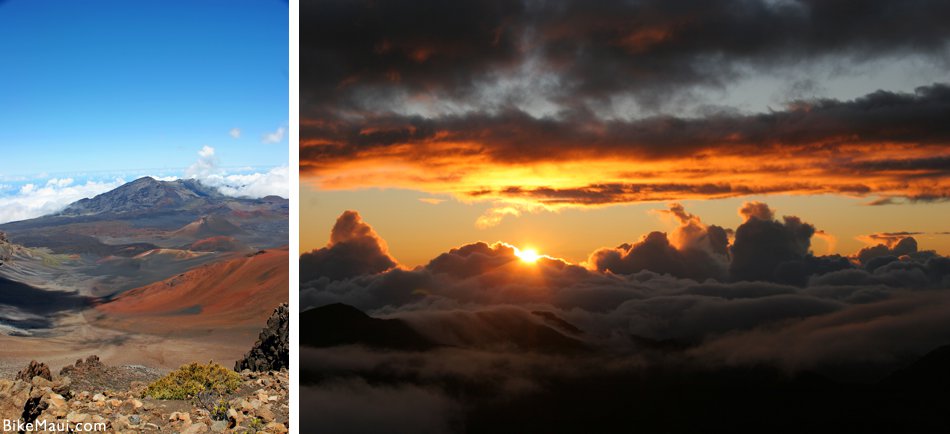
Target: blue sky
<point>95,93</point>
<point>118,85</point>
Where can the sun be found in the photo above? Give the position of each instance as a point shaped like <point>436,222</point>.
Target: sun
<point>527,255</point>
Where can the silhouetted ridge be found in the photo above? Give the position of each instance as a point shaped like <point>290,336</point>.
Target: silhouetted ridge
<point>341,324</point>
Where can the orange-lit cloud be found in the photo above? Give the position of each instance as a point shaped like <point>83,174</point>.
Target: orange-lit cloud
<point>884,145</point>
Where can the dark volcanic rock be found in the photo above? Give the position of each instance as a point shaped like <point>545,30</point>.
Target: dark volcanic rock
<point>34,369</point>
<point>271,352</point>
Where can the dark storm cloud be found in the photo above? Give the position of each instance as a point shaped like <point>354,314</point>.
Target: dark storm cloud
<point>880,117</point>
<point>348,47</point>
<point>351,50</point>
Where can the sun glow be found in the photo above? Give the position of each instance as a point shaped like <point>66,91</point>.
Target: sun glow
<point>527,255</point>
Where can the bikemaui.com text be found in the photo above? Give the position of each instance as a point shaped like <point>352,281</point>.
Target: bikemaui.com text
<point>58,426</point>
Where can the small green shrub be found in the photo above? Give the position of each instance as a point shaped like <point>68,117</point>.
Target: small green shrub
<point>256,425</point>
<point>190,380</point>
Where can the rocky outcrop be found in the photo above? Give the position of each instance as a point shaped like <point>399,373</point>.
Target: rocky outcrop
<point>271,352</point>
<point>92,375</point>
<point>34,369</point>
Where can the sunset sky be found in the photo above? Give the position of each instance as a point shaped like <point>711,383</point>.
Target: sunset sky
<point>566,125</point>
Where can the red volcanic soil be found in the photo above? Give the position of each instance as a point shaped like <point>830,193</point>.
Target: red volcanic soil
<point>230,294</point>
<point>218,243</point>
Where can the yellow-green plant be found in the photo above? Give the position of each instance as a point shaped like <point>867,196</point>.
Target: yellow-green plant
<point>189,380</point>
<point>256,425</point>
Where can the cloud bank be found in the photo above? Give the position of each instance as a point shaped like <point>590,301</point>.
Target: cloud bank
<point>544,105</point>
<point>27,199</point>
<point>707,289</point>
<point>36,199</point>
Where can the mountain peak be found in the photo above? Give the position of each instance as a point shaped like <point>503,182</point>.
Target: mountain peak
<point>145,194</point>
<point>145,180</point>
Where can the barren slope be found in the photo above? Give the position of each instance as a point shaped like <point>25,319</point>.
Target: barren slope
<point>233,293</point>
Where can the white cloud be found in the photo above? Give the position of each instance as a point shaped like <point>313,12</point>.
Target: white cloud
<point>257,184</point>
<point>274,182</point>
<point>38,199</point>
<point>276,136</point>
<point>235,133</point>
<point>205,166</point>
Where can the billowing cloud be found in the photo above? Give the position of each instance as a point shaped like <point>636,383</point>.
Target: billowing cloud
<point>235,133</point>
<point>698,251</point>
<point>764,247</point>
<point>354,249</point>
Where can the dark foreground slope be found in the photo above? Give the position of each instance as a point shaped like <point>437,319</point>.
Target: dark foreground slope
<point>362,367</point>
